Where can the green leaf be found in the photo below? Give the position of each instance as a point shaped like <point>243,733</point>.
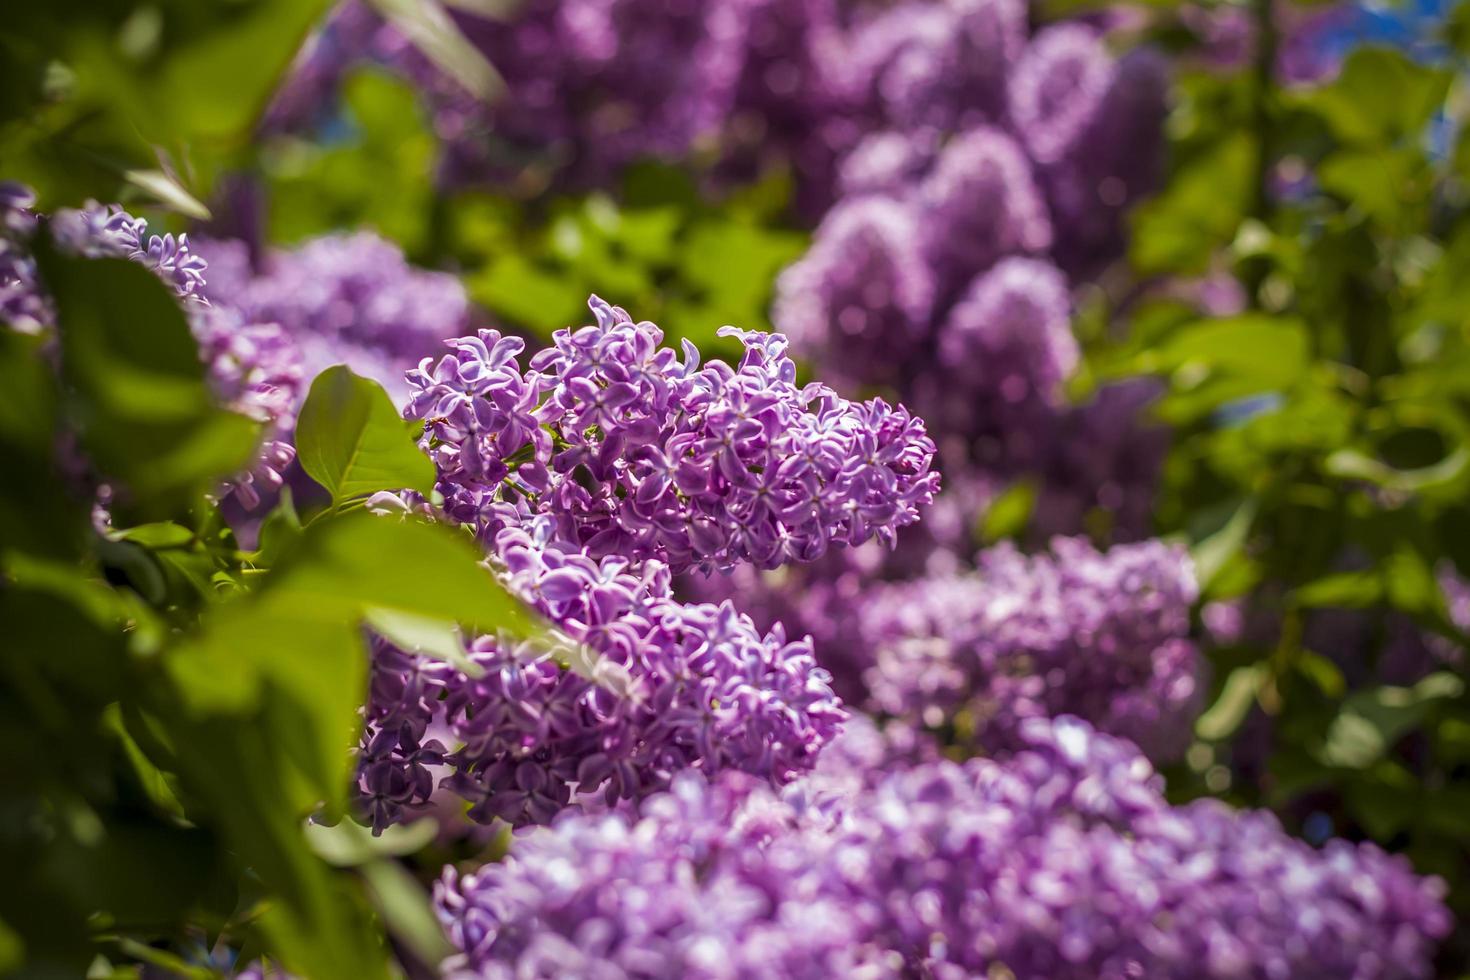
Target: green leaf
<point>266,696</point>
<point>406,910</point>
<point>349,844</point>
<point>1353,464</point>
<point>279,532</point>
<point>1379,97</point>
<point>1213,553</point>
<point>163,534</point>
<point>1382,183</point>
<point>428,27</point>
<point>191,78</point>
<point>1343,590</point>
<point>316,919</point>
<point>1235,700</point>
<point>352,441</point>
<point>136,387</point>
<point>423,635</point>
<point>166,189</point>
<point>1007,515</point>
<point>299,633</point>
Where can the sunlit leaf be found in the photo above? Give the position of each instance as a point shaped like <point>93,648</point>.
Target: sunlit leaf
<point>352,441</point>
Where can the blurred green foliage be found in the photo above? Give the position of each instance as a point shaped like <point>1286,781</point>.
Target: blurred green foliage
<point>161,96</point>
<point>1321,464</point>
<point>176,707</point>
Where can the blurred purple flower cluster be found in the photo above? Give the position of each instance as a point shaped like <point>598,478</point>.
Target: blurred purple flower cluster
<point>635,451</point>
<point>343,299</point>
<point>1101,635</point>
<point>945,269</point>
<point>592,85</point>
<point>1063,860</point>
<point>672,686</point>
<point>252,365</point>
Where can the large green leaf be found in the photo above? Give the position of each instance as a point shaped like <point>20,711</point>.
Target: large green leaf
<point>1380,97</point>
<point>352,441</point>
<point>136,387</point>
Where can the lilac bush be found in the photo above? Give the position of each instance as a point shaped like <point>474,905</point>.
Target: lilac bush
<point>636,451</point>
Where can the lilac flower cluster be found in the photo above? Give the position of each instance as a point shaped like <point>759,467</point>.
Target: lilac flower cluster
<point>1062,861</point>
<point>713,881</point>
<point>344,299</point>
<point>252,365</point>
<point>637,452</point>
<point>1102,635</point>
<point>94,231</point>
<point>681,687</point>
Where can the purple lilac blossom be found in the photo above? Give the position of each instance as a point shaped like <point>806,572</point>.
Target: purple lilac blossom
<point>23,305</point>
<point>815,600</point>
<point>256,369</point>
<point>859,301</point>
<point>712,881</point>
<point>1062,861</point>
<point>1004,351</point>
<point>637,452</point>
<point>1100,635</point>
<point>1015,322</point>
<point>687,686</point>
<point>1057,88</point>
<point>887,162</point>
<point>978,204</point>
<point>790,107</point>
<point>1111,164</point>
<point>110,232</point>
